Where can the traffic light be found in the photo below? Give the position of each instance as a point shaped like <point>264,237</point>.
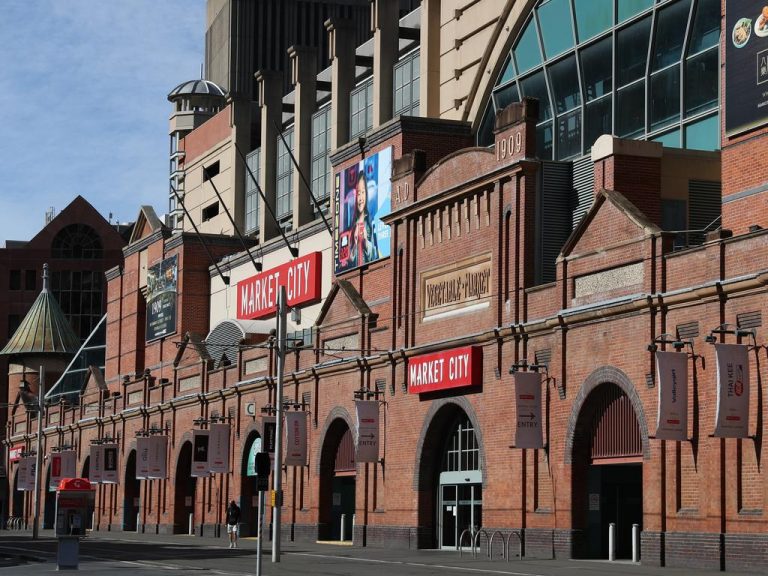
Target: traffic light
<point>262,465</point>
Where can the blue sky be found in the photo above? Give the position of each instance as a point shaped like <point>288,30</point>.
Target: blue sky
<point>83,108</point>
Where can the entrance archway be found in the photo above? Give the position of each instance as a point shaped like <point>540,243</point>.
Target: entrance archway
<point>337,482</point>
<point>17,500</point>
<point>249,508</point>
<point>184,501</point>
<point>131,494</point>
<point>450,476</point>
<point>607,475</point>
<point>49,503</point>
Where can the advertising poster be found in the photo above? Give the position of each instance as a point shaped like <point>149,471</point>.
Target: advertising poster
<point>269,429</point>
<point>218,449</point>
<point>25,479</point>
<point>200,453</point>
<point>367,445</point>
<point>161,298</point>
<point>142,457</point>
<point>96,469</point>
<point>732,416</point>
<point>295,439</point>
<point>672,374</point>
<point>362,197</point>
<point>63,465</point>
<point>157,457</point>
<point>528,401</point>
<point>746,68</point>
<point>110,476</point>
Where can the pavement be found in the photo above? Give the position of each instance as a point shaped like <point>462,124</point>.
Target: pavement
<point>128,553</point>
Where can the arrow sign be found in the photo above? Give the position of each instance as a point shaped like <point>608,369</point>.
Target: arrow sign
<point>528,394</point>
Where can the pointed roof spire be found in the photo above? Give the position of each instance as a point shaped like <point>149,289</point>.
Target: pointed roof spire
<point>44,329</point>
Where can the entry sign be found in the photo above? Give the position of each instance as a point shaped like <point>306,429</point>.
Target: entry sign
<point>528,403</point>
<point>367,431</point>
<point>200,453</point>
<point>672,372</point>
<point>257,295</point>
<point>732,418</point>
<point>454,368</point>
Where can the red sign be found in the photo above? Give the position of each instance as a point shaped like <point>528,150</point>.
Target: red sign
<point>444,370</point>
<point>14,454</point>
<point>257,295</point>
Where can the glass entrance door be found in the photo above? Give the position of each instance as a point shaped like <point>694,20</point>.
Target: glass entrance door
<point>460,509</point>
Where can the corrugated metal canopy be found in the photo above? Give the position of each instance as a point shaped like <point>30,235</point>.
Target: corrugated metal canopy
<point>44,329</point>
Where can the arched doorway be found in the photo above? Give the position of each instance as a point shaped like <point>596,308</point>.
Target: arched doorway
<point>450,478</point>
<point>49,502</point>
<point>337,482</point>
<point>17,500</point>
<point>131,494</point>
<point>249,496</point>
<point>607,474</point>
<point>184,501</point>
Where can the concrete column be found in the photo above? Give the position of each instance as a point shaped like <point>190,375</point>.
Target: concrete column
<point>270,101</point>
<point>341,43</point>
<point>304,78</point>
<point>429,59</point>
<point>385,24</point>
<point>240,121</point>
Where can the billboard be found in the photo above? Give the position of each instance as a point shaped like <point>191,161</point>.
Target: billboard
<point>362,197</point>
<point>161,298</point>
<point>746,65</point>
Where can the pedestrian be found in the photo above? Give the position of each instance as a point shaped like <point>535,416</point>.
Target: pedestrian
<point>233,523</point>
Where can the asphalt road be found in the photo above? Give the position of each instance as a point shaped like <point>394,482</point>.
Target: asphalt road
<point>143,554</point>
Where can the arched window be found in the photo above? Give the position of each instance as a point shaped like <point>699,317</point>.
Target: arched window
<point>77,242</point>
<point>462,452</point>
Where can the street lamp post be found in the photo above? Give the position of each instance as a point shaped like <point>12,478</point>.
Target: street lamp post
<point>39,453</point>
<point>278,470</point>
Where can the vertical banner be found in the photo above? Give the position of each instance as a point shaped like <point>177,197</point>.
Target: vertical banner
<point>109,475</point>
<point>142,457</point>
<point>55,470</point>
<point>732,417</point>
<point>25,479</point>
<point>269,429</point>
<point>218,449</point>
<point>367,445</point>
<point>68,464</point>
<point>672,373</point>
<point>528,401</point>
<point>295,439</point>
<point>200,453</point>
<point>96,466</point>
<point>157,457</point>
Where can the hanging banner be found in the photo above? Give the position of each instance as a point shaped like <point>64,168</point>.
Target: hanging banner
<point>109,458</point>
<point>96,466</point>
<point>295,439</point>
<point>250,469</point>
<point>25,479</point>
<point>63,465</point>
<point>732,417</point>
<point>200,453</point>
<point>529,432</point>
<point>367,444</point>
<point>142,457</point>
<point>157,457</point>
<point>161,297</point>
<point>218,449</point>
<point>269,429</point>
<point>672,374</point>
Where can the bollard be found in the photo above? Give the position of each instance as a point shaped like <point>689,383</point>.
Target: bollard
<point>343,531</point>
<point>611,542</point>
<point>138,523</point>
<point>352,535</point>
<point>191,525</point>
<point>635,543</point>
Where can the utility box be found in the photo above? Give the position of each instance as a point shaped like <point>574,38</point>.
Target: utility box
<point>74,505</point>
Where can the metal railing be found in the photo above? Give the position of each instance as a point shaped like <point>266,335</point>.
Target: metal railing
<point>475,544</point>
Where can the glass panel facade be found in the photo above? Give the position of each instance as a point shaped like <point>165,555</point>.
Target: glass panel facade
<point>251,192</point>
<point>669,139</point>
<point>630,77</point>
<point>321,145</point>
<point>79,293</point>
<point>361,109</point>
<point>406,87</point>
<point>556,27</point>
<point>284,185</point>
<point>704,134</point>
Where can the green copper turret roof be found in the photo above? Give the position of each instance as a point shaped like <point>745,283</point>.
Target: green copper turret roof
<point>45,329</point>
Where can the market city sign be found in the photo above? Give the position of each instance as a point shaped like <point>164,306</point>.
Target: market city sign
<point>445,370</point>
<point>257,295</point>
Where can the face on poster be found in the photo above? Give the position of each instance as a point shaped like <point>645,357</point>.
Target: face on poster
<point>362,198</point>
<point>161,298</point>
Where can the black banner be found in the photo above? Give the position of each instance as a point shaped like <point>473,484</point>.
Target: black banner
<point>269,436</point>
<point>161,298</point>
<point>746,65</point>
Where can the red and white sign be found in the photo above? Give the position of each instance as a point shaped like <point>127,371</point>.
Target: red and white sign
<point>672,372</point>
<point>444,370</point>
<point>157,457</point>
<point>25,478</point>
<point>367,445</point>
<point>218,449</point>
<point>257,295</point>
<point>14,455</point>
<point>63,465</point>
<point>732,417</point>
<point>142,457</point>
<point>528,402</point>
<point>295,439</point>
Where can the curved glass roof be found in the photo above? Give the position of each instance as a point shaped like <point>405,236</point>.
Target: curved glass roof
<point>632,68</point>
<point>196,88</point>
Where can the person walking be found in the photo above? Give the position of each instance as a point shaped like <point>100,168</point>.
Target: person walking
<point>233,523</point>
